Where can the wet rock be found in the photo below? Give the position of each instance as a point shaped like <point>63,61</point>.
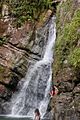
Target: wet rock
<point>66,86</point>
<point>49,115</point>
<point>1,109</point>
<point>65,107</point>
<point>2,89</point>
<point>77,89</point>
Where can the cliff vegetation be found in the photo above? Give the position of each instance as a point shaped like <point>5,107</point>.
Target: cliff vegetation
<point>26,10</point>
<point>67,49</point>
<point>66,66</point>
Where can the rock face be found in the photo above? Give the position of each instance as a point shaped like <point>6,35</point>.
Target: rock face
<point>12,58</point>
<point>66,66</point>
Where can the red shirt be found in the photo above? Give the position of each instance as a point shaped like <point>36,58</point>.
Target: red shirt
<point>54,92</point>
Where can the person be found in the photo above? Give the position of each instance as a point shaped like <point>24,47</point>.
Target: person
<point>54,91</point>
<point>37,114</point>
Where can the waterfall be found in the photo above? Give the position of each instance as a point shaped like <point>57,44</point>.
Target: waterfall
<point>36,86</point>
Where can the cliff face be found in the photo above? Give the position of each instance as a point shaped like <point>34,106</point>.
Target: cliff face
<point>19,48</point>
<point>66,66</point>
<point>13,50</point>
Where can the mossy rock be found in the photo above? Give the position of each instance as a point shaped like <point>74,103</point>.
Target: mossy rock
<point>1,68</point>
<point>3,39</point>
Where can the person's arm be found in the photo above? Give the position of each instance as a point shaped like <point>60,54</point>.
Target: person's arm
<point>51,93</point>
<point>56,90</point>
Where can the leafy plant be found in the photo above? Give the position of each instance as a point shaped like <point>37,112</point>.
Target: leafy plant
<point>24,10</point>
<point>2,40</point>
<point>68,36</point>
<point>74,57</point>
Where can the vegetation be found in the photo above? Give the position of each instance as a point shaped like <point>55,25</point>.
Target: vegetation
<point>29,10</point>
<point>68,36</point>
<point>74,58</point>
<point>2,40</point>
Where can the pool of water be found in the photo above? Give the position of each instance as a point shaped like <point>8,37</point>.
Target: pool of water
<point>14,118</point>
<point>17,118</point>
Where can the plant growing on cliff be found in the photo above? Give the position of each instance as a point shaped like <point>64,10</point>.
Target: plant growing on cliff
<point>68,37</point>
<point>2,40</point>
<point>74,58</point>
<point>24,10</point>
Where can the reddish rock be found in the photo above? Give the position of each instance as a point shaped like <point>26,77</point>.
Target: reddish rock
<point>2,89</point>
<point>3,27</point>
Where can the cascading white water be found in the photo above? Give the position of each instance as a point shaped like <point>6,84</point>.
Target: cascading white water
<point>35,89</point>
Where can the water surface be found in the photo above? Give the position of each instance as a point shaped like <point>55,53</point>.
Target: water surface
<point>14,118</point>
<point>17,118</point>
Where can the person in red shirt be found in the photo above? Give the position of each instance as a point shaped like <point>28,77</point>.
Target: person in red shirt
<point>54,91</point>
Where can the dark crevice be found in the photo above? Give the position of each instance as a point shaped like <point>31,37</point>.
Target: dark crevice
<point>4,98</point>
<point>5,84</point>
<point>8,86</point>
<point>15,70</point>
<point>30,52</point>
<point>54,4</point>
<point>12,85</point>
<point>77,82</point>
<point>25,49</point>
<point>37,59</point>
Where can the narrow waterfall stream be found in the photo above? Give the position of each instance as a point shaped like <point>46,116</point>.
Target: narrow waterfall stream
<point>36,86</point>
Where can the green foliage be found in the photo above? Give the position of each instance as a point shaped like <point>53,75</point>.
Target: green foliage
<point>2,40</point>
<point>74,57</point>
<point>68,35</point>
<point>67,9</point>
<point>29,10</point>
